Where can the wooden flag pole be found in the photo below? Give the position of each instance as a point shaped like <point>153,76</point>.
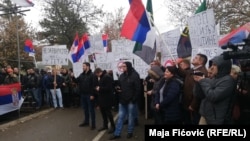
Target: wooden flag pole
<point>54,72</point>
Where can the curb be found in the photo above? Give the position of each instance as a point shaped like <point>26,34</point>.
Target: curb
<point>5,126</point>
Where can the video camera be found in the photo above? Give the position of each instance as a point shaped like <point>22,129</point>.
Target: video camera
<point>239,51</point>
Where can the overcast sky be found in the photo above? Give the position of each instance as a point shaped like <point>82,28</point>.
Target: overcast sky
<point>160,12</point>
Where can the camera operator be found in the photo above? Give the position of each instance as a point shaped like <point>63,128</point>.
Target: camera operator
<point>216,93</point>
<point>244,98</point>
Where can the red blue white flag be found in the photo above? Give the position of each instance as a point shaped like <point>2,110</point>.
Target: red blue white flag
<point>28,47</point>
<point>136,24</point>
<point>10,98</point>
<point>73,50</point>
<point>236,36</point>
<point>105,42</point>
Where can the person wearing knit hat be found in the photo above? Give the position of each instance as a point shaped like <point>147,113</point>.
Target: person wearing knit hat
<point>10,77</point>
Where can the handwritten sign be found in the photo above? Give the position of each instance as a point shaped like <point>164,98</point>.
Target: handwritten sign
<point>96,43</point>
<point>104,60</point>
<point>55,55</point>
<point>122,49</point>
<point>169,45</point>
<point>202,30</point>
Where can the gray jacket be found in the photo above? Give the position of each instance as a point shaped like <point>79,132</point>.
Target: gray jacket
<point>217,93</point>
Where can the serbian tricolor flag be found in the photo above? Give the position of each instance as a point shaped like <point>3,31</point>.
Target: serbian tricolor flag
<point>86,45</point>
<point>136,24</point>
<point>236,36</point>
<point>105,42</point>
<point>10,98</point>
<point>138,27</point>
<point>80,50</point>
<point>28,47</point>
<point>73,50</point>
<point>23,3</point>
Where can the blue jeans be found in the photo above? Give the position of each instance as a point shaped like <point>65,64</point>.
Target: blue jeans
<point>36,92</point>
<point>125,110</point>
<point>89,109</point>
<point>48,97</point>
<point>57,93</point>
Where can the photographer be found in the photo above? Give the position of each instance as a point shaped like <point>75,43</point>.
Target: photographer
<point>216,93</point>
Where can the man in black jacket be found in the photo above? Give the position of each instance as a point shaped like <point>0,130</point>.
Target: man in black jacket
<point>103,85</point>
<point>86,90</point>
<point>130,90</point>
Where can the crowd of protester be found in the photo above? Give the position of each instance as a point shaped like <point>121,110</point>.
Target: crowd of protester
<point>183,92</point>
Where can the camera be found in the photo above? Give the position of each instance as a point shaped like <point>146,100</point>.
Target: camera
<point>199,73</point>
<point>239,51</point>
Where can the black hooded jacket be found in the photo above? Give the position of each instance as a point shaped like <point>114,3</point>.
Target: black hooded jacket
<point>217,93</point>
<point>130,85</point>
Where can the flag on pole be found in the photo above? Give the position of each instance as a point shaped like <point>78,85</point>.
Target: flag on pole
<point>73,49</point>
<point>138,27</point>
<point>28,47</point>
<point>105,42</point>
<point>184,47</point>
<point>23,3</point>
<point>80,49</point>
<point>86,45</point>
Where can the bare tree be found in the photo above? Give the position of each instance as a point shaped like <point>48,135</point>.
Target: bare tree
<point>229,13</point>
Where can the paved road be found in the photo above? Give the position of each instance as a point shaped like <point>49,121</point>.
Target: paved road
<point>61,125</point>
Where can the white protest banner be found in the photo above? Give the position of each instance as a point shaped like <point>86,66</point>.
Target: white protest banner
<point>96,43</point>
<point>140,66</point>
<point>202,30</point>
<point>55,55</point>
<point>170,42</point>
<point>77,68</point>
<point>104,60</point>
<point>122,49</point>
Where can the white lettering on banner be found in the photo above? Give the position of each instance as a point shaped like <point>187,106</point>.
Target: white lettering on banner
<point>202,30</point>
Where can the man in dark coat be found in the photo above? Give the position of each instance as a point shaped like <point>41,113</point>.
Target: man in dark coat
<point>103,84</point>
<point>128,98</point>
<point>86,90</point>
